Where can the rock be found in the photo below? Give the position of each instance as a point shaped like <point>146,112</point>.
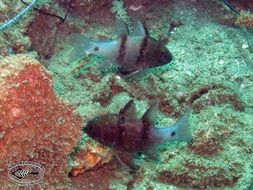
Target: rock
<point>34,124</point>
<point>93,156</point>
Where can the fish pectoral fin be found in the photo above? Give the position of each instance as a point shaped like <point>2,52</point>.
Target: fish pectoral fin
<point>152,152</point>
<point>125,72</point>
<point>129,109</point>
<point>127,159</point>
<point>121,27</point>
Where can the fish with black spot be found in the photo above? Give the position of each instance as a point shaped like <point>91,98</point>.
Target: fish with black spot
<point>128,135</point>
<point>132,53</point>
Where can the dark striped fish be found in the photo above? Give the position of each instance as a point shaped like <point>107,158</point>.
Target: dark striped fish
<point>131,53</point>
<point>127,134</point>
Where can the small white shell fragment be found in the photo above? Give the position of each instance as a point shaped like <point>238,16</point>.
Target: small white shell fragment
<point>221,62</point>
<point>118,77</point>
<point>245,46</point>
<point>135,8</point>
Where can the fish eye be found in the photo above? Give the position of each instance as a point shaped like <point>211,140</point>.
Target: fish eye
<point>173,134</point>
<point>96,49</point>
<point>165,57</point>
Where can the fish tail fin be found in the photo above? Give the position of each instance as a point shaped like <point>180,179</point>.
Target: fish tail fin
<point>80,46</point>
<point>182,128</point>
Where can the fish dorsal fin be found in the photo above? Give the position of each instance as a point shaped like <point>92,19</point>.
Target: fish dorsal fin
<point>149,117</point>
<point>121,27</point>
<point>129,109</point>
<point>140,29</point>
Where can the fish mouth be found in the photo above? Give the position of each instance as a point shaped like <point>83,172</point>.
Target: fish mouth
<point>165,58</point>
<point>170,56</point>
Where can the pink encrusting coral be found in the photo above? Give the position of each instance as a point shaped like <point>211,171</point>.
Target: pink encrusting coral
<point>34,124</point>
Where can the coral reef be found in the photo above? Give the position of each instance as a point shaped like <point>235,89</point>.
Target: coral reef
<point>88,8</point>
<point>211,72</point>
<point>214,97</point>
<point>57,20</point>
<point>211,142</point>
<point>198,182</point>
<point>44,21</point>
<point>47,24</point>
<point>206,142</point>
<point>15,19</point>
<point>245,19</point>
<point>208,73</point>
<point>242,5</point>
<point>34,124</point>
<point>42,33</point>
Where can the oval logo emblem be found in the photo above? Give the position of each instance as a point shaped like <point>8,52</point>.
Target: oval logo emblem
<point>26,173</point>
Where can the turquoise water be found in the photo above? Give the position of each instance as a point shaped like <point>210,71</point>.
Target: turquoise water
<point>210,73</point>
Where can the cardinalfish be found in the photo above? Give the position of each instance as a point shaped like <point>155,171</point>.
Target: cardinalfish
<point>132,53</point>
<point>128,135</point>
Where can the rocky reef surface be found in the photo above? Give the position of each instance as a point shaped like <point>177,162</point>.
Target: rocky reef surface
<point>35,125</point>
<point>211,71</point>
